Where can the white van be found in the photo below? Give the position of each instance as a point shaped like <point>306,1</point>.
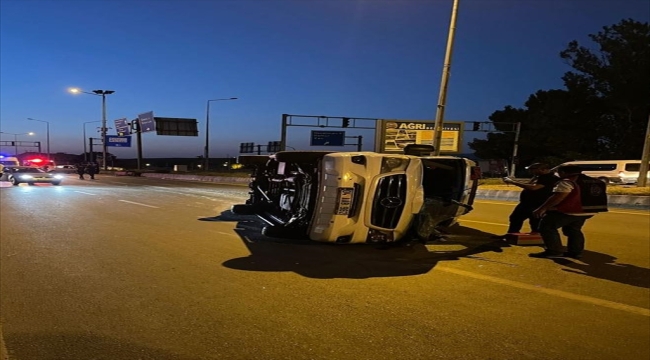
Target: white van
<point>358,197</point>
<point>611,171</point>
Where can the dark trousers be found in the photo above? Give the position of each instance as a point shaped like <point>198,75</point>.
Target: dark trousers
<point>521,213</point>
<point>571,227</point>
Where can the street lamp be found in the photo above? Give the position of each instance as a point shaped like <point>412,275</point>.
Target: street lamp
<point>48,136</point>
<point>207,130</point>
<point>86,151</point>
<point>103,94</point>
<point>16,139</point>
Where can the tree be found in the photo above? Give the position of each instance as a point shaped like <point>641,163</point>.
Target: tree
<point>618,74</point>
<point>602,113</point>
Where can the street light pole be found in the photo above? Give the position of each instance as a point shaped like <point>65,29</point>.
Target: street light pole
<point>85,139</point>
<point>103,94</point>
<point>442,98</point>
<point>48,137</point>
<point>206,153</point>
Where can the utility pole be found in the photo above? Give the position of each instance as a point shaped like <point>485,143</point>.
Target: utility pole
<point>513,162</point>
<point>645,158</point>
<point>444,82</point>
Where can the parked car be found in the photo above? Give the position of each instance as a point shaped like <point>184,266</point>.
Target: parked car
<point>29,175</point>
<point>358,197</point>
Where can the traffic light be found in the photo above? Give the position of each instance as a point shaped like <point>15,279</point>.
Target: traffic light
<point>477,126</point>
<point>346,122</point>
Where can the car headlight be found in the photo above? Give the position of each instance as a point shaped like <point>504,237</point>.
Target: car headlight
<point>26,176</point>
<point>58,176</point>
<point>389,164</point>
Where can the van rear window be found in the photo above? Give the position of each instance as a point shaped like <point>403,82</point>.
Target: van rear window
<point>597,167</point>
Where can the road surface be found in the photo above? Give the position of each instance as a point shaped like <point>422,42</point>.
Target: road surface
<point>139,268</point>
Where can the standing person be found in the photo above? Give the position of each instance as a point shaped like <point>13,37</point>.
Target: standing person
<point>81,168</point>
<point>534,194</point>
<point>90,170</point>
<point>565,209</point>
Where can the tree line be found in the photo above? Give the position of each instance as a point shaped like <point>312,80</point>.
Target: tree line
<point>601,113</point>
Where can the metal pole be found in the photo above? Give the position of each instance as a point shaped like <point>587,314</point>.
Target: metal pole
<point>283,133</point>
<point>104,131</point>
<point>92,153</point>
<point>359,142</point>
<point>85,151</point>
<point>206,154</point>
<point>139,138</point>
<point>444,82</point>
<point>645,158</point>
<point>515,149</point>
<point>16,144</point>
<point>48,142</point>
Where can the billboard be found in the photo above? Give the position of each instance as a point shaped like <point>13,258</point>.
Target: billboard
<point>176,126</point>
<point>393,135</point>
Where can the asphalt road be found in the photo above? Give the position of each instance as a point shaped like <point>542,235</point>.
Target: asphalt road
<point>138,268</point>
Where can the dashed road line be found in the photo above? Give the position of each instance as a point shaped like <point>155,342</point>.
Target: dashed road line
<point>86,193</point>
<point>552,292</point>
<point>481,222</point>
<point>513,203</point>
<point>141,204</point>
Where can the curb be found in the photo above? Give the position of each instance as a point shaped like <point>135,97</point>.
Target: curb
<point>618,201</point>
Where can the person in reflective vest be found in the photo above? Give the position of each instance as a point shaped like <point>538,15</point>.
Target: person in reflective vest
<point>564,209</point>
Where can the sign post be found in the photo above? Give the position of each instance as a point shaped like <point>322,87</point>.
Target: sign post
<point>122,127</point>
<point>118,141</point>
<point>327,138</point>
<point>147,122</point>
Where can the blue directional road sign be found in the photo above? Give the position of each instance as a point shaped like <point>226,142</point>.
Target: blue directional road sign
<point>147,122</point>
<point>118,141</point>
<point>122,127</point>
<point>327,138</point>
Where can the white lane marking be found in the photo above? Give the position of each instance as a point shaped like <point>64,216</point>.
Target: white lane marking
<point>513,203</point>
<point>482,222</point>
<point>136,203</point>
<point>83,192</point>
<point>630,213</point>
<point>552,292</point>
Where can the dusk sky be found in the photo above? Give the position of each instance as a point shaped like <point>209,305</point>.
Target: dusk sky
<point>355,58</point>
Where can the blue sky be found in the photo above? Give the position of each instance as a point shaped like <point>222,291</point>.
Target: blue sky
<point>357,58</point>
